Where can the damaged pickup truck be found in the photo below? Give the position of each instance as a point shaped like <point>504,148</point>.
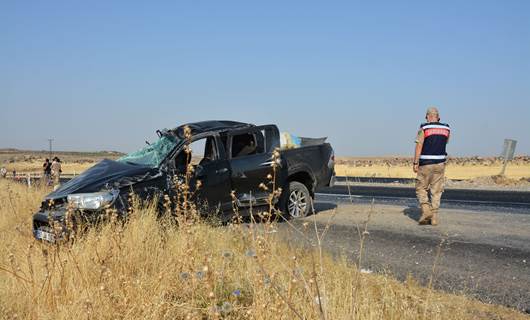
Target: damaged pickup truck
<point>226,156</point>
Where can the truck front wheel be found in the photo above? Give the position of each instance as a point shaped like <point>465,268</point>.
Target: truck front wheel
<point>297,200</point>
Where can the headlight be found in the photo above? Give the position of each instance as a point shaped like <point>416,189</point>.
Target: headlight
<point>92,201</point>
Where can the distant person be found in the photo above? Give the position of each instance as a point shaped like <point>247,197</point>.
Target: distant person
<point>3,172</point>
<point>14,173</point>
<point>56,171</point>
<point>429,164</point>
<point>47,171</point>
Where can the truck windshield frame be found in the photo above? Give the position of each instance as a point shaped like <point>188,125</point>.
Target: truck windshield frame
<point>153,154</point>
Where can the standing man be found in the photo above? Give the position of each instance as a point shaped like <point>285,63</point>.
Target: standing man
<point>47,170</point>
<point>56,171</point>
<point>429,164</point>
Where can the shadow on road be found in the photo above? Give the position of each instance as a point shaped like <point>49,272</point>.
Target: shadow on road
<point>323,206</point>
<point>412,212</point>
<point>245,212</point>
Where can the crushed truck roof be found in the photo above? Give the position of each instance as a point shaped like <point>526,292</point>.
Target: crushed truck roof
<point>210,126</point>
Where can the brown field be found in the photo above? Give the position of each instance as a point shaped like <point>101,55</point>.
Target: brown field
<point>393,167</point>
<point>457,168</point>
<point>149,268</point>
<point>72,162</point>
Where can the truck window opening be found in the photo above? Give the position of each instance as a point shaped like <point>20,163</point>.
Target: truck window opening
<point>246,145</point>
<point>202,151</point>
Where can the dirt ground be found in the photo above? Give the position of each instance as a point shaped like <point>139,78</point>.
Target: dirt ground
<point>457,168</point>
<point>470,172</point>
<point>72,162</point>
<point>476,171</point>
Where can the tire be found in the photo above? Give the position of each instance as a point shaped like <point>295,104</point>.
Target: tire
<point>297,200</point>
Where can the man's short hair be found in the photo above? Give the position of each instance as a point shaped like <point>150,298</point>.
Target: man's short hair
<point>433,111</point>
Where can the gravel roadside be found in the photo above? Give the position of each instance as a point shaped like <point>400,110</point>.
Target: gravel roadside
<point>470,185</point>
<point>485,255</point>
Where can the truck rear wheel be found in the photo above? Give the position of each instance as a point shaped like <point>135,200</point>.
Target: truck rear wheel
<point>297,200</point>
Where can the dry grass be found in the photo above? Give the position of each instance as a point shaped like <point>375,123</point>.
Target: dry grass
<point>31,161</point>
<point>458,168</point>
<point>453,171</point>
<point>35,167</point>
<point>151,269</point>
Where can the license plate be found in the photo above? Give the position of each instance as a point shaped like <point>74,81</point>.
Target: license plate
<point>43,235</point>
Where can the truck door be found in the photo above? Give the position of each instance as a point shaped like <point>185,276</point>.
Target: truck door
<point>212,169</point>
<point>250,154</point>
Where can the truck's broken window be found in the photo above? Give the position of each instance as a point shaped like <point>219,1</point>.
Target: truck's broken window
<point>246,144</point>
<point>202,151</point>
<point>153,154</point>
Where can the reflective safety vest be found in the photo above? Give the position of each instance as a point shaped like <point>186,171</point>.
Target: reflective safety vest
<point>435,137</point>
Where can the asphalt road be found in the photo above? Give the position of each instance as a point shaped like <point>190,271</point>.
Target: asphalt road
<point>469,197</point>
<point>507,198</point>
<point>485,254</point>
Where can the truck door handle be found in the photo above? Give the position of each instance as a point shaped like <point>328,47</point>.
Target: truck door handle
<point>266,164</point>
<point>223,170</point>
<point>240,175</point>
<point>270,163</point>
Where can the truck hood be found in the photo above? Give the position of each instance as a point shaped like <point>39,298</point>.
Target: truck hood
<point>110,173</point>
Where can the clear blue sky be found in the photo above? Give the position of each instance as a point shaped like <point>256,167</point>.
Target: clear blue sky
<point>98,75</point>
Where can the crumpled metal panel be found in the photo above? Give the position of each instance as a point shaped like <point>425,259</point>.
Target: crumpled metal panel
<point>107,172</point>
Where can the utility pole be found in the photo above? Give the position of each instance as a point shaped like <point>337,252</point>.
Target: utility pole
<point>50,142</point>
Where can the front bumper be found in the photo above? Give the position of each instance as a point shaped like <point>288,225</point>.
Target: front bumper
<point>50,225</point>
<point>59,223</point>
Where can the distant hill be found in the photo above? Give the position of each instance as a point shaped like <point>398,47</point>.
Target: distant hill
<point>58,152</point>
<point>12,155</point>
